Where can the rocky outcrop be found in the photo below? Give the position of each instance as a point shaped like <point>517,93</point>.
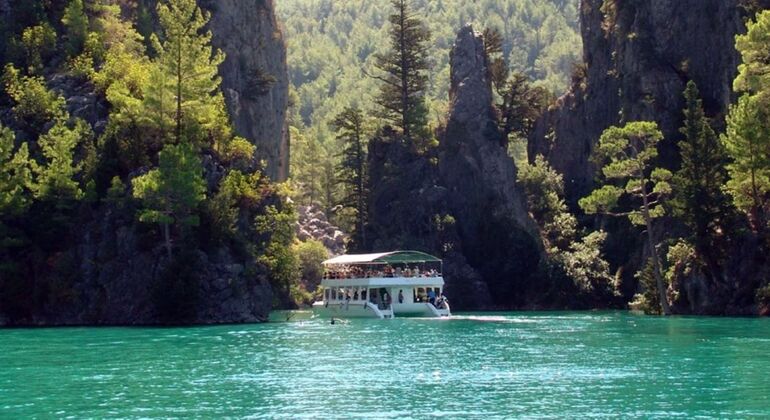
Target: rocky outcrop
<point>497,234</point>
<point>114,276</point>
<point>312,224</point>
<point>255,77</point>
<point>466,208</point>
<point>82,100</point>
<point>472,161</point>
<point>638,57</point>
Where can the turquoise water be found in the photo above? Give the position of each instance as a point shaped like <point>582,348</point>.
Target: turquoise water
<point>485,366</point>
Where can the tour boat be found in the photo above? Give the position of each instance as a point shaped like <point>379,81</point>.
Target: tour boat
<point>383,285</point>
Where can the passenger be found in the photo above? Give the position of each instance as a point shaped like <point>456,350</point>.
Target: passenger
<point>355,295</point>
<point>386,300</point>
<point>398,272</point>
<point>400,296</point>
<point>431,296</point>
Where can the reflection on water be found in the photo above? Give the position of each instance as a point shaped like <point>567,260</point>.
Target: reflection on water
<point>471,366</point>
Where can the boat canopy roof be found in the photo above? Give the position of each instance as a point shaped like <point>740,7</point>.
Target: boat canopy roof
<point>393,257</point>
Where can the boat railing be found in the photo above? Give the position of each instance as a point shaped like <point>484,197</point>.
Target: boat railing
<point>439,312</point>
<point>379,276</point>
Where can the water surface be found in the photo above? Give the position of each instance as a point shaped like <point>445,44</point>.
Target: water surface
<point>484,366</point>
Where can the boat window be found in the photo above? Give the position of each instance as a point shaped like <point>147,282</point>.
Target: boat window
<point>334,294</point>
<point>363,294</point>
<point>419,295</point>
<point>326,294</point>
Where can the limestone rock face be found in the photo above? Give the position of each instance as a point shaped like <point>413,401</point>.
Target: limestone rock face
<point>639,56</point>
<point>497,236</point>
<point>312,223</point>
<point>471,159</point>
<point>255,77</point>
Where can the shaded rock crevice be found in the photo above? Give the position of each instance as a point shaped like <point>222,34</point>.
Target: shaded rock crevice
<point>255,78</point>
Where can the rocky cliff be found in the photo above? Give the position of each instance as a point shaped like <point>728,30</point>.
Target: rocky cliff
<point>638,57</point>
<point>255,77</point>
<point>466,207</point>
<point>496,232</point>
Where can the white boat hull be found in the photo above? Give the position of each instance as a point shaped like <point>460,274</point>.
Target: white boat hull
<point>360,309</point>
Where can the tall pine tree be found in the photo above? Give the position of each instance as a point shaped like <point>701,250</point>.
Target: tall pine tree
<point>747,139</point>
<point>171,193</point>
<point>404,79</point>
<point>351,171</point>
<point>185,93</point>
<point>699,200</point>
<point>628,153</point>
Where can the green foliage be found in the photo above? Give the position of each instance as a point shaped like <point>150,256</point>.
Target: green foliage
<point>239,153</point>
<point>580,259</point>
<point>311,254</point>
<point>184,99</point>
<point>754,46</point>
<point>39,44</point>
<point>352,170</point>
<point>171,193</point>
<point>278,256</point>
<point>56,180</point>
<point>16,170</point>
<point>649,300</point>
<point>307,167</point>
<point>584,263</point>
<point>331,42</point>
<point>76,24</point>
<point>627,154</point>
<point>520,103</point>
<point>699,200</point>
<point>35,105</point>
<point>403,74</point>
<point>236,191</point>
<point>683,262</point>
<point>747,139</point>
<point>630,151</point>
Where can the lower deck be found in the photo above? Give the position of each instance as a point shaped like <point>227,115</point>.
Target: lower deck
<point>382,301</point>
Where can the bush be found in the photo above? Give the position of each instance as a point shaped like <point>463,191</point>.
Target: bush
<point>311,255</point>
<point>39,44</point>
<point>649,300</point>
<point>35,105</point>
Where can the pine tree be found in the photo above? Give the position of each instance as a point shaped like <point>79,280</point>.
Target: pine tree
<point>57,179</point>
<point>699,200</point>
<point>171,193</point>
<point>16,188</point>
<point>747,139</point>
<point>520,103</point>
<point>76,23</point>
<point>351,171</point>
<point>184,92</point>
<point>629,152</point>
<point>404,82</point>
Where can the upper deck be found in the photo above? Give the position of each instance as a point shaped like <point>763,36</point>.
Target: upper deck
<point>394,268</point>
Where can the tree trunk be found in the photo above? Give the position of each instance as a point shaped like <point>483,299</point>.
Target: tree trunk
<point>404,75</point>
<point>167,238</point>
<point>654,253</point>
<point>179,95</point>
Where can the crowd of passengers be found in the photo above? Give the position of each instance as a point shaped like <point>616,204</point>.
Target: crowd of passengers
<point>387,271</point>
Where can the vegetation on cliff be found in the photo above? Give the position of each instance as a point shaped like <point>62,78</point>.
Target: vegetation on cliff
<point>162,153</point>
